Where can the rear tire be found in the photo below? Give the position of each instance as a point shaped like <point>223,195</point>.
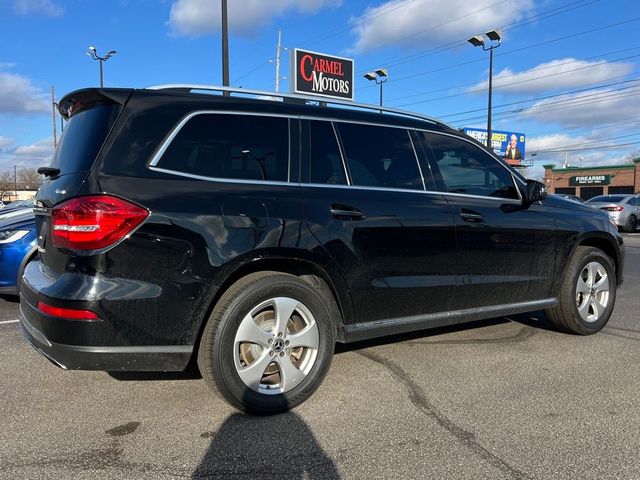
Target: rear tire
<point>587,294</point>
<point>631,225</point>
<point>268,343</point>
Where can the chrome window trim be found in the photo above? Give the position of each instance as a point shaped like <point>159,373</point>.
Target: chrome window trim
<point>180,125</point>
<point>223,179</point>
<point>152,165</point>
<point>324,185</point>
<point>470,142</point>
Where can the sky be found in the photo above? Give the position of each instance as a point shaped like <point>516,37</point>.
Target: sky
<point>567,73</point>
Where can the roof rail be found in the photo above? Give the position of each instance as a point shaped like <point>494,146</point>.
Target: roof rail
<point>188,88</point>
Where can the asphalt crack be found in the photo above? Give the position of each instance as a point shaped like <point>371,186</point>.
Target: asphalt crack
<point>523,334</point>
<point>420,400</point>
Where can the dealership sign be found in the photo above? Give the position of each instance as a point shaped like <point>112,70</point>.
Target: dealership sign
<point>319,74</point>
<point>590,180</point>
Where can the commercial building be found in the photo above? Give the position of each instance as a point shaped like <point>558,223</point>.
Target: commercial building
<point>588,182</point>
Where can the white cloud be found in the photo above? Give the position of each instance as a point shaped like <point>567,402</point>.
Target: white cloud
<point>556,74</point>
<point>5,143</point>
<point>46,8</point>
<point>419,22</point>
<point>33,155</point>
<point>200,17</point>
<point>19,95</point>
<point>587,109</point>
<point>42,149</point>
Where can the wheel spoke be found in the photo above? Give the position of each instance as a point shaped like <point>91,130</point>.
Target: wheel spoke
<point>284,308</point>
<point>252,374</point>
<point>596,307</point>
<point>584,308</point>
<point>290,375</point>
<point>582,287</point>
<point>591,270</point>
<point>249,331</point>
<point>308,337</point>
<point>603,283</point>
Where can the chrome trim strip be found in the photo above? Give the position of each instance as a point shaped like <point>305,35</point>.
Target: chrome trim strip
<point>223,180</point>
<point>165,144</point>
<point>362,330</point>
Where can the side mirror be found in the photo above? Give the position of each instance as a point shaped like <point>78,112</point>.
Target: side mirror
<point>535,191</point>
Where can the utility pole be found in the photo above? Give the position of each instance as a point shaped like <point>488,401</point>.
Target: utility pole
<point>15,181</point>
<point>278,48</point>
<point>225,46</point>
<point>53,117</point>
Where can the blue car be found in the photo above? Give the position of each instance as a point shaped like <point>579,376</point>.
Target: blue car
<point>18,245</point>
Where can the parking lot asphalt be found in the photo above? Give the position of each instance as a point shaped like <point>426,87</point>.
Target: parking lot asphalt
<point>505,398</point>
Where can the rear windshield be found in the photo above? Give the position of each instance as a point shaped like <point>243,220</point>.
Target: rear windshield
<point>83,136</point>
<point>608,198</point>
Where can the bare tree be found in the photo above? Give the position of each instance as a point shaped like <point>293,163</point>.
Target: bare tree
<point>6,183</point>
<point>29,178</point>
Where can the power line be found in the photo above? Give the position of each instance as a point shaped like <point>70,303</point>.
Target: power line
<point>600,55</point>
<point>451,45</point>
<point>545,97</point>
<point>578,101</point>
<point>600,147</point>
<point>515,83</point>
<point>334,32</point>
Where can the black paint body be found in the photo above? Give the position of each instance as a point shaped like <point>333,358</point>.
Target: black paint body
<point>409,262</point>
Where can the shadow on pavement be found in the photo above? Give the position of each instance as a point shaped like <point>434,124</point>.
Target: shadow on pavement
<point>278,446</point>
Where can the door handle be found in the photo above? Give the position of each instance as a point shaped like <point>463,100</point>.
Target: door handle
<point>471,216</point>
<point>345,212</point>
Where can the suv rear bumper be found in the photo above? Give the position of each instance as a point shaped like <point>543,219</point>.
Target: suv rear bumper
<point>80,345</point>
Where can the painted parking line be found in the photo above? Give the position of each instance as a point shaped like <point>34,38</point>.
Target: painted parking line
<point>6,322</point>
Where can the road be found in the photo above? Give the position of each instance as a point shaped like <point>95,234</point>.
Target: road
<point>506,398</point>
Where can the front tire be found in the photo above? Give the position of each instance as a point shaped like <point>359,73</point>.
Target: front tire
<point>587,294</point>
<point>268,343</point>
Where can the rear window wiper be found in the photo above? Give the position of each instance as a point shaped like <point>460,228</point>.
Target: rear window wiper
<point>49,171</point>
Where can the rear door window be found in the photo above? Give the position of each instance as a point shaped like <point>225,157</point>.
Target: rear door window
<point>82,138</point>
<point>380,156</point>
<point>467,169</point>
<point>243,147</point>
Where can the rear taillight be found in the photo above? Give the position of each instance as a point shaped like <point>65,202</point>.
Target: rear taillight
<point>613,209</point>
<point>94,222</point>
<point>69,313</point>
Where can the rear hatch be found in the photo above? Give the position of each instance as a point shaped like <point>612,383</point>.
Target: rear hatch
<point>91,115</point>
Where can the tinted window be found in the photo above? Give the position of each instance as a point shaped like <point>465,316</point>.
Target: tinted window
<point>465,168</point>
<point>380,156</point>
<point>326,161</point>
<point>607,198</point>
<point>83,136</point>
<point>231,146</point>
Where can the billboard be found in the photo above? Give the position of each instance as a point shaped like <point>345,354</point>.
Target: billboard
<point>319,74</point>
<point>508,145</point>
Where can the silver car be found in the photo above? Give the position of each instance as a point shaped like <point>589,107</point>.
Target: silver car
<point>624,210</point>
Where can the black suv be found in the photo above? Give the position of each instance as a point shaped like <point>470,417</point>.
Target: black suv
<point>252,234</point>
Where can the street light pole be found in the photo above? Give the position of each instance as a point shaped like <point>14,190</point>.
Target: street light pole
<point>225,45</point>
<point>379,76</point>
<point>93,53</point>
<point>478,41</point>
<point>489,106</point>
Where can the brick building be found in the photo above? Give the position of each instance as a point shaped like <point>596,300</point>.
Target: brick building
<point>588,182</point>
